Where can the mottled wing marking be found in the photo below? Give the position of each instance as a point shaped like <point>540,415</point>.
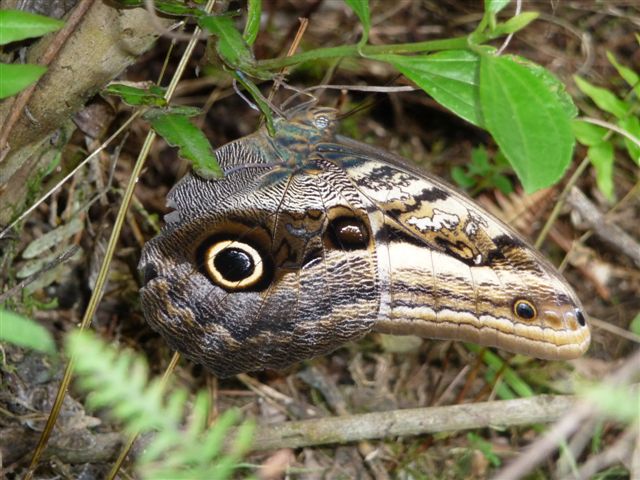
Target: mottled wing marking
<point>455,270</point>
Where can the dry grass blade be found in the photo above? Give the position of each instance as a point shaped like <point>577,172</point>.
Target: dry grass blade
<point>106,262</point>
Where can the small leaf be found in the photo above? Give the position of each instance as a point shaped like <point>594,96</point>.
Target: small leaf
<point>17,25</point>
<point>603,98</point>
<point>601,157</point>
<point>179,132</point>
<point>461,178</point>
<point>169,7</point>
<point>53,238</point>
<point>527,121</point>
<point>629,75</point>
<point>634,326</point>
<point>14,78</point>
<point>185,110</point>
<point>587,133</point>
<point>134,96</point>
<point>24,332</point>
<point>361,9</point>
<point>231,47</point>
<point>450,77</point>
<point>515,24</point>
<point>503,183</point>
<point>632,125</point>
<point>252,26</point>
<point>619,402</point>
<point>494,6</point>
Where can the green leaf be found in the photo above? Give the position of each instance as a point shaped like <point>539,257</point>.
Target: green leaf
<point>185,110</point>
<point>231,47</point>
<point>629,75</point>
<point>14,78</point>
<point>603,98</point>
<point>17,25</point>
<point>601,157</point>
<point>619,402</point>
<point>461,178</point>
<point>134,96</point>
<point>252,26</point>
<point>527,121</point>
<point>587,133</point>
<point>634,326</point>
<point>24,332</point>
<point>169,7</point>
<point>632,125</point>
<point>450,77</point>
<point>361,9</point>
<point>551,82</point>
<point>494,6</point>
<point>516,23</point>
<point>179,132</point>
<point>503,183</point>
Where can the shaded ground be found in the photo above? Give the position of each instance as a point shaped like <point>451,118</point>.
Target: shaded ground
<point>570,38</point>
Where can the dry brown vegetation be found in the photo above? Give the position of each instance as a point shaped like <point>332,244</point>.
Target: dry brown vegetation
<point>377,374</point>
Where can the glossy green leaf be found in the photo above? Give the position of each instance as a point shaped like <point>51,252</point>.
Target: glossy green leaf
<point>601,157</point>
<point>551,82</point>
<point>134,96</point>
<point>24,332</point>
<point>494,6</point>
<point>15,77</point>
<point>603,98</point>
<point>631,77</point>
<point>587,133</point>
<point>527,121</point>
<point>17,25</point>
<point>632,125</point>
<point>361,9</point>
<point>450,77</point>
<point>231,47</point>
<point>179,132</point>
<point>252,27</point>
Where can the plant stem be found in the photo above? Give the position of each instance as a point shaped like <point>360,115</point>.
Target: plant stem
<point>354,50</point>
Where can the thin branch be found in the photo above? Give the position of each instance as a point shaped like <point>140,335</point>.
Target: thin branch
<point>414,421</point>
<point>540,450</point>
<point>49,55</point>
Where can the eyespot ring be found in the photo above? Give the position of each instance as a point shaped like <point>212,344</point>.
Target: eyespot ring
<point>524,309</point>
<point>233,265</point>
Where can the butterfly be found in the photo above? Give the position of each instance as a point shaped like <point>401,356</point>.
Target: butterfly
<point>313,239</point>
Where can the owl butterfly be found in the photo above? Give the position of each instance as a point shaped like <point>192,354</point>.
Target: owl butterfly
<point>312,240</point>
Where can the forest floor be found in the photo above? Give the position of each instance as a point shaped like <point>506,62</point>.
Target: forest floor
<point>378,373</point>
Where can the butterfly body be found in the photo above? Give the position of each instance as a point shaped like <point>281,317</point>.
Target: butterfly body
<point>312,240</point>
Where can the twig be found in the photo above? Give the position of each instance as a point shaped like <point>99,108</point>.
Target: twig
<point>607,232</point>
<point>66,255</point>
<point>616,453</point>
<point>415,421</point>
<point>54,47</point>
<point>539,450</point>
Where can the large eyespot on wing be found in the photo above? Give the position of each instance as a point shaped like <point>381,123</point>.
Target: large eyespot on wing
<point>234,264</point>
<point>456,272</point>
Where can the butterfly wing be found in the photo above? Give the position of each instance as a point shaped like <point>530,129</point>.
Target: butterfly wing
<point>263,268</point>
<point>450,270</point>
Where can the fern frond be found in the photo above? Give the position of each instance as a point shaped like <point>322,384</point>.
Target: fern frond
<point>119,381</point>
